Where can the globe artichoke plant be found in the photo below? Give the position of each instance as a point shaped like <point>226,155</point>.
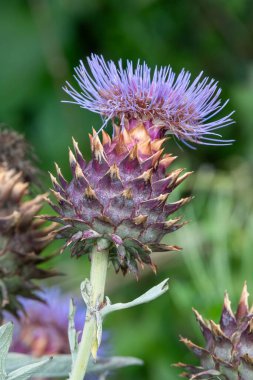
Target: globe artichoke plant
<point>228,351</point>
<point>115,209</point>
<point>22,240</point>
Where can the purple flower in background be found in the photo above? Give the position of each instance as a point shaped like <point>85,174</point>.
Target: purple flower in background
<point>44,329</point>
<point>164,102</point>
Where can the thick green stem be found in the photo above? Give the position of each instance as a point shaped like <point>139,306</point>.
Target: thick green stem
<point>99,264</point>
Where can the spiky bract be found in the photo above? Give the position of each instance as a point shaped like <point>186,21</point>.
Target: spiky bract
<point>228,353</point>
<point>120,196</point>
<point>172,104</point>
<point>22,239</point>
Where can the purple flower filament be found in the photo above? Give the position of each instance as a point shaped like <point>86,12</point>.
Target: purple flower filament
<point>171,103</point>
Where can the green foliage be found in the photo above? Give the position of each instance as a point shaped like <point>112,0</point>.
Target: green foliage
<point>22,372</point>
<point>15,366</point>
<point>41,41</point>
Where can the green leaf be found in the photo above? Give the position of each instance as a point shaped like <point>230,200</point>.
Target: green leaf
<point>150,295</point>
<point>60,366</point>
<point>72,334</point>
<point>29,370</point>
<point>22,373</point>
<point>109,364</point>
<point>6,332</point>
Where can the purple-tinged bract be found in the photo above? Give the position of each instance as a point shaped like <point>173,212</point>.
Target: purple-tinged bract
<point>228,352</point>
<point>119,196</point>
<point>172,104</point>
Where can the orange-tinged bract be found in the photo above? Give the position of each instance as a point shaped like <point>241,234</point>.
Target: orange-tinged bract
<point>228,353</point>
<point>22,239</point>
<point>121,196</point>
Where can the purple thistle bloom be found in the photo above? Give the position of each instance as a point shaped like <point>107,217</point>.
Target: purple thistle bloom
<point>161,100</point>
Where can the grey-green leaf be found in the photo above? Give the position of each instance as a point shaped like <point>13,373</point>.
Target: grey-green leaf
<point>29,370</point>
<point>112,363</point>
<point>72,334</point>
<point>61,364</point>
<point>150,295</point>
<point>6,332</point>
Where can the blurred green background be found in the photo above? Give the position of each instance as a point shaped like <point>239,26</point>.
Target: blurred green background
<point>41,41</point>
